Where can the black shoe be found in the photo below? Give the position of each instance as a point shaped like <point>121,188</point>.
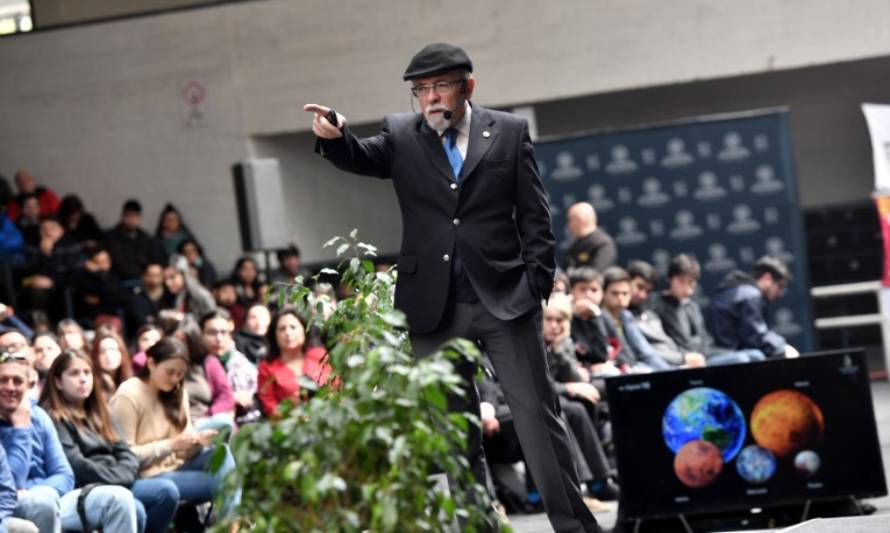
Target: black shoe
<point>609,492</point>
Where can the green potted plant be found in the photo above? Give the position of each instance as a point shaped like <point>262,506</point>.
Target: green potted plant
<point>360,454</point>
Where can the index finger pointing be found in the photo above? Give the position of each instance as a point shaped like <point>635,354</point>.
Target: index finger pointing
<point>315,108</point>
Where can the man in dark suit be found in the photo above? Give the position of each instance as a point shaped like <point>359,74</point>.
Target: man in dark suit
<point>477,254</point>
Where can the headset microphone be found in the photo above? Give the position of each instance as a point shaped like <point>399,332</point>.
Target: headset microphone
<point>447,114</point>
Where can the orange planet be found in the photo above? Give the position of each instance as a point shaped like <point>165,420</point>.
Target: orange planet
<point>698,463</point>
<point>785,421</point>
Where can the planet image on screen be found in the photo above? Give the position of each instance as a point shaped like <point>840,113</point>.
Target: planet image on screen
<point>706,414</point>
<point>807,463</point>
<point>698,463</point>
<point>785,421</point>
<point>755,464</point>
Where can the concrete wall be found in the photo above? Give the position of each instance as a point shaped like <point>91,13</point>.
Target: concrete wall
<point>99,108</point>
<point>49,13</point>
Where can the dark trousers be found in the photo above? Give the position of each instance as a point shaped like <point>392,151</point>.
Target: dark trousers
<point>516,349</point>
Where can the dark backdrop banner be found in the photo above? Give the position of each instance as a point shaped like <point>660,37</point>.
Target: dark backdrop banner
<point>720,188</point>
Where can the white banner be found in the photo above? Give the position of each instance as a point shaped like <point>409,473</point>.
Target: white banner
<point>878,118</point>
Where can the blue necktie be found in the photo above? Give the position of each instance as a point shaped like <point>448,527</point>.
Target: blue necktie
<point>453,153</point>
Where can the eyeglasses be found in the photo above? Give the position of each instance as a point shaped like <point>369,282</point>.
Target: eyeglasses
<point>441,87</point>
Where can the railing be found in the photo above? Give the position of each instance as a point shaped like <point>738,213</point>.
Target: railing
<point>881,318</point>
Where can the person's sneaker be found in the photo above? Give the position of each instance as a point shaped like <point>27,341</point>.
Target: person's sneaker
<point>608,492</point>
<point>597,506</point>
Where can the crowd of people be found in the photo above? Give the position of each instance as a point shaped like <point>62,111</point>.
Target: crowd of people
<point>125,360</point>
<point>603,320</point>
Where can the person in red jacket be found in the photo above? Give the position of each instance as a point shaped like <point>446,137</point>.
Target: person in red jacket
<point>288,359</point>
<point>49,201</point>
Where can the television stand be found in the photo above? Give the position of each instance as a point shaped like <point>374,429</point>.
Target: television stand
<point>639,521</point>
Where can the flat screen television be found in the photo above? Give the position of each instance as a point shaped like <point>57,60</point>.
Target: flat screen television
<point>745,436</point>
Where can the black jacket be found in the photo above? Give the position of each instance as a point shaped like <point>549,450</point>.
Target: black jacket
<point>737,317</point>
<point>253,346</point>
<point>497,218</point>
<point>94,459</point>
<point>596,250</point>
<point>132,250</point>
<point>685,323</point>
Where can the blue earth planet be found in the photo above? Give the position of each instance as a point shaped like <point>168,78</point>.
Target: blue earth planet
<point>702,413</point>
<point>756,464</point>
<point>807,463</point>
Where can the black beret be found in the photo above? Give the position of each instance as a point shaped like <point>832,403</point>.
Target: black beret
<point>435,59</point>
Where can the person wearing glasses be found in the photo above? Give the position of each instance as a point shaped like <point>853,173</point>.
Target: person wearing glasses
<point>736,314</point>
<point>477,254</point>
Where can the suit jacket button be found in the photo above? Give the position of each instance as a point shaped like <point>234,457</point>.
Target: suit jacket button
<point>446,258</point>
<point>453,186</point>
<point>456,222</point>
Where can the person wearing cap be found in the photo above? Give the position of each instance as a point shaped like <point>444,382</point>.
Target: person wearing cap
<point>131,248</point>
<point>477,254</point>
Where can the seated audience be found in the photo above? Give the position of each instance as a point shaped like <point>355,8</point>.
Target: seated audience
<point>248,286</point>
<point>589,329</point>
<point>9,320</point>
<point>211,402</point>
<point>635,350</point>
<point>185,292</point>
<point>279,373</point>
<point>643,279</point>
<point>591,245</point>
<point>217,328</point>
<point>71,336</point>
<point>15,342</point>
<point>9,500</point>
<point>41,471</point>
<point>79,225</point>
<point>199,265</point>
<point>152,411</point>
<point>48,268</point>
<point>226,297</point>
<point>28,222</point>
<point>251,339</point>
<point>146,337</point>
<point>736,313</point>
<point>289,265</point>
<point>46,349</point>
<point>97,291</point>
<point>93,445</point>
<point>47,200</point>
<point>110,360</point>
<point>578,398</point>
<point>131,248</point>
<point>683,319</point>
<point>171,231</point>
<point>147,299</point>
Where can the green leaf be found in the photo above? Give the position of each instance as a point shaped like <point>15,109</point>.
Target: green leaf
<point>342,249</point>
<point>332,241</point>
<point>329,271</point>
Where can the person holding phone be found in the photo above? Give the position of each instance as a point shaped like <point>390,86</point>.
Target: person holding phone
<point>152,410</point>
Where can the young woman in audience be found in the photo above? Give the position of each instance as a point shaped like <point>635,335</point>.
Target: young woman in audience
<point>146,336</point>
<point>217,328</point>
<point>46,349</point>
<point>251,338</point>
<point>247,282</point>
<point>211,402</point>
<point>111,360</point>
<point>153,412</point>
<point>203,269</point>
<point>171,230</point>
<point>78,224</point>
<point>71,335</point>
<point>94,446</point>
<point>279,373</point>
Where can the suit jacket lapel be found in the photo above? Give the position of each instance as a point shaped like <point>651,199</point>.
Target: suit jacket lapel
<point>479,142</point>
<point>432,145</point>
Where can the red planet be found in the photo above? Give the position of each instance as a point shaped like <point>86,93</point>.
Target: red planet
<point>698,463</point>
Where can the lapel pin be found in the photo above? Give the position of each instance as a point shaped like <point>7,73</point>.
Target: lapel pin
<point>486,134</point>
